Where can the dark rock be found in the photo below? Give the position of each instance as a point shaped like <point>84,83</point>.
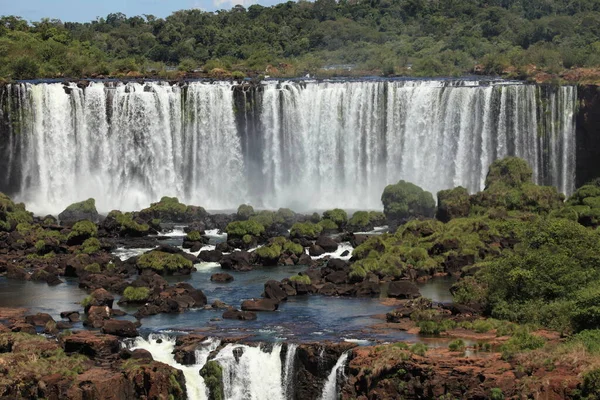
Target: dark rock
<point>63,325</point>
<point>367,289</point>
<point>337,277</point>
<point>223,247</point>
<point>96,316</point>
<point>21,326</point>
<point>316,250</point>
<point>260,305</point>
<point>327,244</point>
<point>241,315</point>
<point>120,328</point>
<point>403,290</point>
<point>345,253</point>
<point>91,344</point>
<point>100,297</point>
<point>328,290</point>
<point>357,240</point>
<point>210,255</point>
<point>221,277</point>
<point>304,259</point>
<point>237,261</point>
<point>218,304</point>
<point>274,291</point>
<point>39,319</point>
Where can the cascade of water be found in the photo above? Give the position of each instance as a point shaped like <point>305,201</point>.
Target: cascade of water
<point>305,145</point>
<point>161,348</point>
<point>288,371</point>
<point>330,390</point>
<point>253,375</point>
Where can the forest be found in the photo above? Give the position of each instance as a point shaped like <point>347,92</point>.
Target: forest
<point>512,38</point>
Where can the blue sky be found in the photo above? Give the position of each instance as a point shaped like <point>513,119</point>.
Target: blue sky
<point>87,10</point>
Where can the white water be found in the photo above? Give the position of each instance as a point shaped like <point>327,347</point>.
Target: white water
<point>342,247</point>
<point>330,391</point>
<point>319,144</point>
<point>256,376</point>
<point>288,371</point>
<point>196,389</point>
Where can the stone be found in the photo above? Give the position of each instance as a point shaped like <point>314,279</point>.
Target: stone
<point>122,328</point>
<point>403,290</point>
<point>327,244</point>
<point>221,277</point>
<point>240,315</point>
<point>260,305</point>
<point>274,291</point>
<point>316,250</point>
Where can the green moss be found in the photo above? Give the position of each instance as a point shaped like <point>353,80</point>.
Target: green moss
<point>265,218</point>
<point>360,219</point>
<point>286,216</point>
<point>457,345</point>
<point>40,245</point>
<point>136,294</point>
<point>127,226</point>
<point>244,212</point>
<point>88,207</point>
<point>169,209</point>
<point>83,230</point>
<point>405,200</point>
<point>213,379</point>
<point>293,248</point>
<point>328,225</point>
<point>93,268</point>
<point>305,279</point>
<point>419,349</point>
<point>337,215</point>
<point>86,301</point>
<point>163,262</point>
<point>305,229</point>
<point>247,239</point>
<point>91,246</point>
<point>509,171</point>
<point>269,252</point>
<point>453,203</point>
<point>242,228</point>
<point>193,236</point>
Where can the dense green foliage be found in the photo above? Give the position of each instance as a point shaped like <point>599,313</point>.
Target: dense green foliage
<point>127,226</point>
<point>83,230</point>
<point>415,37</point>
<point>90,246</point>
<point>336,215</point>
<point>243,228</point>
<point>136,294</point>
<point>163,262</point>
<point>405,200</point>
<point>244,212</point>
<point>213,378</point>
<point>12,214</point>
<point>169,209</point>
<point>305,279</point>
<point>453,203</point>
<point>308,230</point>
<point>278,246</point>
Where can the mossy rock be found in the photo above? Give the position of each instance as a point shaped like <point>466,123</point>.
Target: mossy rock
<point>82,210</point>
<point>82,231</point>
<point>162,262</point>
<point>360,219</point>
<point>193,236</point>
<point>270,253</point>
<point>91,246</point>
<point>304,279</point>
<point>135,294</point>
<point>405,200</point>
<point>169,209</point>
<point>306,230</point>
<point>244,212</point>
<point>453,203</point>
<point>337,215</point>
<point>239,229</point>
<point>328,225</point>
<point>126,225</point>
<point>509,171</point>
<point>12,214</point>
<point>212,373</point>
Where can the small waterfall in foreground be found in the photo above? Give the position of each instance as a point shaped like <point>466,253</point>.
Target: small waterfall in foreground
<point>161,348</point>
<point>303,145</point>
<point>330,391</point>
<point>288,371</point>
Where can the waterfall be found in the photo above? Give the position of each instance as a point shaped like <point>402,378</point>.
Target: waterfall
<point>161,348</point>
<point>303,145</point>
<point>330,390</point>
<point>254,375</point>
<point>288,371</point>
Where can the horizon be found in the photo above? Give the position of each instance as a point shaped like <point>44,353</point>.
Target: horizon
<point>72,10</point>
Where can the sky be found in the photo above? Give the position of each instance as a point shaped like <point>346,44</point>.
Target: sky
<point>88,10</point>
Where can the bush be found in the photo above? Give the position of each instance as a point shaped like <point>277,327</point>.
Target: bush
<point>307,230</point>
<point>591,384</point>
<point>270,252</point>
<point>213,379</point>
<point>360,219</point>
<point>293,248</point>
<point>328,225</point>
<point>457,345</point>
<point>241,228</point>
<point>336,215</point>
<point>508,171</point>
<point>286,216</point>
<point>93,268</point>
<point>193,236</point>
<point>244,212</point>
<point>522,340</point>
<point>305,279</point>
<point>136,294</point>
<point>405,200</point>
<point>419,349</point>
<point>127,225</point>
<point>496,394</point>
<point>163,262</point>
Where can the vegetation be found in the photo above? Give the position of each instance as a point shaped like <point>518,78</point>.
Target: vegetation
<point>213,378</point>
<point>169,209</point>
<point>405,200</point>
<point>337,215</point>
<point>81,231</point>
<point>453,203</point>
<point>163,262</point>
<point>244,212</point>
<point>305,279</point>
<point>193,236</point>
<point>457,345</point>
<point>307,230</point>
<point>242,228</point>
<point>127,226</point>
<point>87,208</point>
<point>414,37</point>
<point>136,294</point>
<point>278,246</point>
<point>91,246</point>
<point>12,214</point>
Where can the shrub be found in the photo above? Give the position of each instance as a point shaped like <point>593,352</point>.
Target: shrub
<point>508,171</point>
<point>269,252</point>
<point>163,262</point>
<point>305,279</point>
<point>405,200</point>
<point>247,239</point>
<point>213,379</point>
<point>93,268</point>
<point>591,384</point>
<point>360,219</point>
<point>496,394</point>
<point>419,349</point>
<point>136,294</point>
<point>127,225</point>
<point>193,236</point>
<point>293,248</point>
<point>457,345</point>
<point>242,228</point>
<point>328,225</point>
<point>305,229</point>
<point>522,340</point>
<point>244,212</point>
<point>286,216</point>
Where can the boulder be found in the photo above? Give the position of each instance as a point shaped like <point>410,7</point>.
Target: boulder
<point>120,328</point>
<point>100,297</point>
<point>240,315</point>
<point>237,261</point>
<point>221,277</point>
<point>403,290</point>
<point>39,319</point>
<point>91,344</point>
<point>260,305</point>
<point>78,211</point>
<point>96,316</point>
<point>210,255</point>
<point>327,244</point>
<point>316,250</point>
<point>337,277</point>
<point>304,259</point>
<point>274,291</point>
